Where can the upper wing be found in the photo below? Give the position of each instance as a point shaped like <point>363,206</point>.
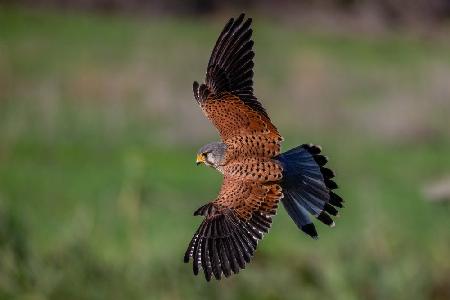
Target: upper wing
<point>230,67</point>
<point>227,97</point>
<point>227,238</point>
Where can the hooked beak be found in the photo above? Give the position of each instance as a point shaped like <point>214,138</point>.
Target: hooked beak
<point>200,159</point>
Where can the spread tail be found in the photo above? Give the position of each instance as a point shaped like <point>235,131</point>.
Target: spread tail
<point>308,187</point>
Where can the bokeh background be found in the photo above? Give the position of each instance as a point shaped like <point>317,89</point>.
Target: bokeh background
<point>99,130</point>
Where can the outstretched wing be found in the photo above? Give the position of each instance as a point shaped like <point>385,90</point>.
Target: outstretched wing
<point>227,97</point>
<point>234,223</point>
<point>230,67</point>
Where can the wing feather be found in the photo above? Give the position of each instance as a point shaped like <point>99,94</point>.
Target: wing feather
<point>227,97</point>
<point>234,223</point>
<point>245,131</point>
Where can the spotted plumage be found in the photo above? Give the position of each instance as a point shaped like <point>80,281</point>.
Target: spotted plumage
<point>256,176</point>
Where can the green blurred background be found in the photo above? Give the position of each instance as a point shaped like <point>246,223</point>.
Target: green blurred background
<point>99,130</point>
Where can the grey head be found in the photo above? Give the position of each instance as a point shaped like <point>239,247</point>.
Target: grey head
<point>212,154</point>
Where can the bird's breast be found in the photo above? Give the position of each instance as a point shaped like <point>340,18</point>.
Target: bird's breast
<point>254,168</point>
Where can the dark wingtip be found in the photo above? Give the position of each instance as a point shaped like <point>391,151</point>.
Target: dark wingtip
<point>240,18</point>
<point>231,63</point>
<point>195,86</point>
<point>247,22</point>
<point>224,243</point>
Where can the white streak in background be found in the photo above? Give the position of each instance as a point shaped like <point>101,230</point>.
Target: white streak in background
<point>438,191</point>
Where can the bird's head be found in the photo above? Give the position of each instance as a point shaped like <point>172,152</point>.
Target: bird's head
<point>211,154</point>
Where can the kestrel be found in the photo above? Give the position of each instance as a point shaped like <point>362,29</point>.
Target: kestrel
<point>255,175</point>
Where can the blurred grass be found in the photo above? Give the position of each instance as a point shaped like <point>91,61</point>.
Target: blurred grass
<point>98,132</point>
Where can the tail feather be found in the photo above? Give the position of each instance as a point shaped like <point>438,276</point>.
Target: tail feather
<point>308,187</point>
<point>335,200</point>
<point>299,215</point>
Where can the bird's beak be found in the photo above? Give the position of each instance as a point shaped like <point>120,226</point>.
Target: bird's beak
<point>200,159</point>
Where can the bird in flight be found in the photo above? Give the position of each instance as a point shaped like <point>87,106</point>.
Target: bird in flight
<point>256,176</point>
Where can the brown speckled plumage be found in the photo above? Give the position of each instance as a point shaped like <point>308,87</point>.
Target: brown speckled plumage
<point>253,176</point>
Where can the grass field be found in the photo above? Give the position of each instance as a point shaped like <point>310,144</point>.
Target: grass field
<point>98,135</point>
